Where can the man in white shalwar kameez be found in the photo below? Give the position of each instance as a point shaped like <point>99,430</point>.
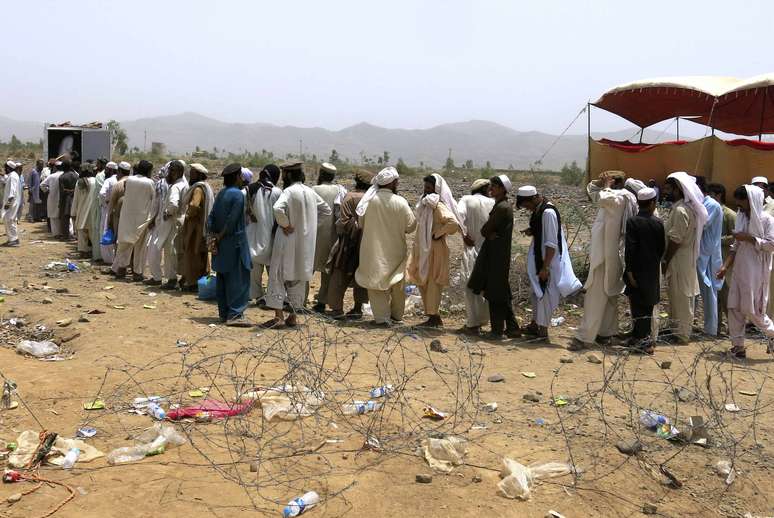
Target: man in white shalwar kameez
<point>12,196</point>
<point>108,251</point>
<point>164,239</point>
<point>768,207</point>
<point>133,223</point>
<point>81,209</point>
<point>261,197</point>
<point>386,218</point>
<point>683,231</point>
<point>296,211</point>
<point>474,209</point>
<point>605,280</point>
<point>51,185</point>
<point>554,277</point>
<point>751,257</point>
<point>332,194</point>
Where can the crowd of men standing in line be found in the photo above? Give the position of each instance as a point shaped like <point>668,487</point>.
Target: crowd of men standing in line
<point>165,224</point>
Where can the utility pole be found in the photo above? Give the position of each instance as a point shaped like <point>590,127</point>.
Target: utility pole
<point>300,148</point>
<point>145,144</point>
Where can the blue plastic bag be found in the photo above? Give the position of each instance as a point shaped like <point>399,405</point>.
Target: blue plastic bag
<point>108,238</point>
<point>207,286</point>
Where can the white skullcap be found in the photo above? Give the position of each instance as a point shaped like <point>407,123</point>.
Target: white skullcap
<point>126,166</point>
<point>11,164</point>
<point>526,191</point>
<point>634,185</point>
<point>111,165</point>
<point>200,168</point>
<point>760,179</point>
<point>506,182</point>
<point>646,193</point>
<point>328,167</point>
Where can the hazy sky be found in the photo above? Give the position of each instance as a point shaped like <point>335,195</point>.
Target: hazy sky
<point>530,65</point>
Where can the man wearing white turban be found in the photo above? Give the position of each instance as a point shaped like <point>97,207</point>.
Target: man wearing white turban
<point>428,267</point>
<point>751,256</point>
<point>11,207</point>
<point>768,208</point>
<point>683,229</point>
<point>605,281</point>
<point>332,194</point>
<point>385,218</point>
<point>474,210</point>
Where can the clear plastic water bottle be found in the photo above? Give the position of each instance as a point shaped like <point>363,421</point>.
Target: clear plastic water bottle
<point>384,390</point>
<point>361,407</point>
<point>71,458</point>
<point>71,266</point>
<point>301,504</point>
<point>156,411</point>
<point>651,419</point>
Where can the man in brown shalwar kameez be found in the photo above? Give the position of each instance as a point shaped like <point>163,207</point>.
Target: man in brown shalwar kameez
<point>345,254</point>
<point>196,203</point>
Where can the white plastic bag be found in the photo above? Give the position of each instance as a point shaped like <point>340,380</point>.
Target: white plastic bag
<point>444,454</point>
<point>37,349</point>
<point>152,441</point>
<point>517,479</point>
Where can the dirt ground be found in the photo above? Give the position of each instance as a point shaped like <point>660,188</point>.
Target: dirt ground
<point>132,350</point>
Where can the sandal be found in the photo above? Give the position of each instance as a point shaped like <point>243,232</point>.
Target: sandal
<point>274,323</point>
<point>576,345</point>
<point>532,329</point>
<point>738,352</point>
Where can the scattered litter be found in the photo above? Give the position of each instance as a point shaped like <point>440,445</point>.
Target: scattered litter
<point>152,294</point>
<point>301,504</point>
<point>119,307</point>
<point>86,432</point>
<point>287,402</point>
<point>181,343</point>
<point>748,393</point>
<point>4,291</point>
<point>517,479</point>
<point>28,442</point>
<point>361,407</point>
<point>489,407</point>
<point>663,315</point>
<point>556,322</point>
<point>97,404</point>
<point>528,374</point>
<point>444,454</point>
<point>37,349</point>
<point>148,306</point>
<point>561,401</point>
<point>196,393</point>
<point>210,409</point>
<point>108,288</point>
<point>554,514</point>
<point>153,441</point>
<point>540,421</point>
<point>434,413</point>
<point>731,407</point>
<point>725,469</point>
<point>384,390</point>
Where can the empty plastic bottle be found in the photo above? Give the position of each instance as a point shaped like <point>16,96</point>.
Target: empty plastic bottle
<point>156,411</point>
<point>71,458</point>
<point>361,407</point>
<point>72,267</point>
<point>384,390</point>
<point>301,504</point>
<point>651,419</point>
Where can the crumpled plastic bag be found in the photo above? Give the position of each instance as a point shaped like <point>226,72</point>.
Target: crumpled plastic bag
<point>287,402</point>
<point>518,479</point>
<point>28,441</point>
<point>152,441</point>
<point>37,349</point>
<point>444,454</point>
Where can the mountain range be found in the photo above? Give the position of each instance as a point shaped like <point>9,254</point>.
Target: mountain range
<point>476,140</point>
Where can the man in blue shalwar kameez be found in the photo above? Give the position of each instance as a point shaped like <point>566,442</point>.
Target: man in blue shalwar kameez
<point>230,251</point>
<point>710,260</point>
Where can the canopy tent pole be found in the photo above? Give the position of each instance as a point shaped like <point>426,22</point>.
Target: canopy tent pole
<point>588,141</point>
<point>678,127</point>
<point>763,113</point>
<point>642,131</point>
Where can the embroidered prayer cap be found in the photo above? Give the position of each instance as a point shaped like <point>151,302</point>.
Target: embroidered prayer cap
<point>126,166</point>
<point>526,191</point>
<point>646,193</point>
<point>760,179</point>
<point>325,166</point>
<point>111,165</point>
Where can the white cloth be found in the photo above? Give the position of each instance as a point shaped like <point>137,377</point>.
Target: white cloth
<point>136,209</point>
<point>171,205</point>
<point>694,200</point>
<point>562,280</point>
<point>51,184</point>
<point>326,226</point>
<point>425,207</point>
<point>384,177</point>
<point>507,183</point>
<point>607,243</point>
<point>259,233</point>
<point>293,255</point>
